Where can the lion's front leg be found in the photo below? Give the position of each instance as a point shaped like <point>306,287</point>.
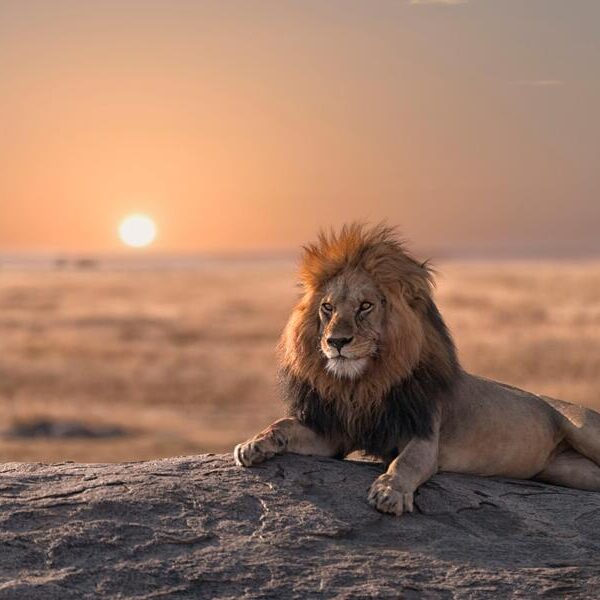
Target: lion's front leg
<point>285,435</point>
<point>393,492</point>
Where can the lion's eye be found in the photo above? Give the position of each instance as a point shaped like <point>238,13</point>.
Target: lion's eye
<point>327,307</point>
<point>366,306</point>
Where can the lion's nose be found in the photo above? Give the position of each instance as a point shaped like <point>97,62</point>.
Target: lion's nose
<point>339,342</point>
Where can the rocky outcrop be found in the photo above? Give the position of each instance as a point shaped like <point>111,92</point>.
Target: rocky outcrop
<point>296,527</point>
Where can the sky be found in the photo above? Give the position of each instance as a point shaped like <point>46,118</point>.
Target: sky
<point>243,125</point>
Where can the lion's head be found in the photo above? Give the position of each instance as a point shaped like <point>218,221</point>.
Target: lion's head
<point>366,320</point>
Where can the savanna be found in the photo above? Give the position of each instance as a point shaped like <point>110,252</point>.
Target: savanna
<point>100,365</point>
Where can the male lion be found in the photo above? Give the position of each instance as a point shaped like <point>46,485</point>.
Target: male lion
<point>368,364</point>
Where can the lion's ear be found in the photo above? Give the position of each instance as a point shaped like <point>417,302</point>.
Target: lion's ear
<point>417,289</point>
<point>414,297</point>
<point>417,283</point>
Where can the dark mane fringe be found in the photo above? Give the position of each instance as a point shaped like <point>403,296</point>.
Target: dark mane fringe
<point>407,410</point>
<point>435,319</point>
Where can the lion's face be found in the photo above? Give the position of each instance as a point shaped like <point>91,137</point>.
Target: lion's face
<point>366,319</point>
<point>352,314</point>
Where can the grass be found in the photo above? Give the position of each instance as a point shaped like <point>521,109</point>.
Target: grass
<point>185,360</point>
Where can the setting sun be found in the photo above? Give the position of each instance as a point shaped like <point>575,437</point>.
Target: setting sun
<point>137,231</point>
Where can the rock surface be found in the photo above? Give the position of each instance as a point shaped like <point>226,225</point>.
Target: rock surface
<point>296,527</point>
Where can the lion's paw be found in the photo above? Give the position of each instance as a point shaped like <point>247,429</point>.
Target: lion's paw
<point>389,498</point>
<point>251,453</point>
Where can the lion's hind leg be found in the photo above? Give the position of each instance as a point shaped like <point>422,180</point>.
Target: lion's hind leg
<point>580,428</point>
<point>572,469</point>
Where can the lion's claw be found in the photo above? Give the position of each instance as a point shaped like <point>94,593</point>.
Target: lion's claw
<point>388,498</point>
<point>251,453</point>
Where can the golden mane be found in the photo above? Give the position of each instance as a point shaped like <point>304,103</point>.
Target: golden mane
<point>378,250</point>
<point>417,342</point>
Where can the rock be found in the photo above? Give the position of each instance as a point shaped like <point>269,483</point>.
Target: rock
<point>296,527</point>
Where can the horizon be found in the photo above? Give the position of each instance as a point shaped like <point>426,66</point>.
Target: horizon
<point>468,253</point>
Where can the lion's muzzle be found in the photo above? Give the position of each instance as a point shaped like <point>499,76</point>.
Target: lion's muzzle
<point>338,342</point>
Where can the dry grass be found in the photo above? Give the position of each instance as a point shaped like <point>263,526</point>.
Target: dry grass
<point>185,359</point>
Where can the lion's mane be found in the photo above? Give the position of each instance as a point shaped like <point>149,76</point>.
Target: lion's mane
<point>397,396</point>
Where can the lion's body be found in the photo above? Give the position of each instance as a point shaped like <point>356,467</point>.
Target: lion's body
<point>368,364</point>
<point>490,428</point>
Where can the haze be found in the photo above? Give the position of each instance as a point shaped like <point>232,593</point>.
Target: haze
<point>248,125</point>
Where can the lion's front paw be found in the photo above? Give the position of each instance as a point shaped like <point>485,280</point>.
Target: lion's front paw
<point>389,498</point>
<point>251,453</point>
<point>259,449</point>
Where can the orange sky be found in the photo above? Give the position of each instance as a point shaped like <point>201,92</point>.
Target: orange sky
<point>243,125</point>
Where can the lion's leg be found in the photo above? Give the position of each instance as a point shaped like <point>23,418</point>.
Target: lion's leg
<point>393,491</point>
<point>285,435</point>
<point>573,470</point>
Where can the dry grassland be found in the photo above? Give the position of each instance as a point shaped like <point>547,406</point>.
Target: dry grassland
<point>184,361</point>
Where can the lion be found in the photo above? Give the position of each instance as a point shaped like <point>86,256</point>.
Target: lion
<point>368,364</point>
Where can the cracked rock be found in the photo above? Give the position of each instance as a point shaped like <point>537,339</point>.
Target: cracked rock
<point>295,527</point>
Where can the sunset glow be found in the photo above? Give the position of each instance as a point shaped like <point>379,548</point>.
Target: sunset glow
<point>137,231</point>
<point>241,127</point>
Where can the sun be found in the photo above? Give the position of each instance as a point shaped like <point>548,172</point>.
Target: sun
<point>137,230</point>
